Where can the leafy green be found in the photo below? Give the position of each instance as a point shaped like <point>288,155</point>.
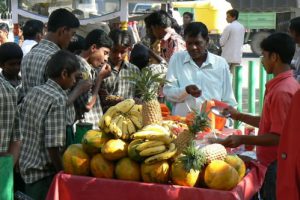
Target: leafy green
<point>192,157</point>
<point>147,83</point>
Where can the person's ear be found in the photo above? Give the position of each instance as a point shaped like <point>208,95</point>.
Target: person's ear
<point>60,31</point>
<point>64,74</point>
<point>38,37</point>
<point>93,48</point>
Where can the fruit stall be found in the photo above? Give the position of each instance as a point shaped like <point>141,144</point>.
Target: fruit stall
<point>141,151</point>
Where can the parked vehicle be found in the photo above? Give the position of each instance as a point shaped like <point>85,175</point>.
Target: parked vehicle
<point>262,17</point>
<point>212,13</point>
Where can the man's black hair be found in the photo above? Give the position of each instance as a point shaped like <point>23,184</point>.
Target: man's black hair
<point>99,38</point>
<point>4,26</point>
<point>32,28</point>
<point>60,18</point>
<point>193,29</point>
<point>281,44</point>
<point>120,37</point>
<point>139,56</point>
<point>159,18</point>
<point>9,51</point>
<point>295,25</point>
<point>77,44</point>
<point>62,60</point>
<point>233,13</point>
<point>191,15</point>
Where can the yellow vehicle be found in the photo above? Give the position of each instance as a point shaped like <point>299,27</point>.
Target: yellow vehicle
<point>210,12</point>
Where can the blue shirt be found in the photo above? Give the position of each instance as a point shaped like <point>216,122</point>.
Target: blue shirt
<point>212,78</point>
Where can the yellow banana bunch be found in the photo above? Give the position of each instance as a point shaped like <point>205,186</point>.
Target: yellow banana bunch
<point>162,156</point>
<point>125,106</point>
<point>156,127</point>
<point>131,127</point>
<point>136,108</point>
<point>110,113</point>
<point>148,144</point>
<point>113,126</point>
<point>153,150</point>
<point>125,133</point>
<point>137,121</point>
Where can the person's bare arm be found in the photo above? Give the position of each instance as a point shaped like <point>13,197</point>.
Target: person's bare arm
<point>246,118</point>
<point>268,139</point>
<point>56,158</point>
<point>81,87</point>
<point>14,150</point>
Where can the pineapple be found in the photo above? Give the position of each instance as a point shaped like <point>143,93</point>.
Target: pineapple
<point>214,152</point>
<point>196,121</point>
<point>186,168</point>
<point>147,85</point>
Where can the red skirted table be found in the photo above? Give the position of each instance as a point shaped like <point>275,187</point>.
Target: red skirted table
<point>70,187</point>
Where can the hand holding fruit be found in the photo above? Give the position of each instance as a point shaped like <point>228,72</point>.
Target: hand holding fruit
<point>84,85</point>
<point>105,71</point>
<point>231,141</point>
<point>193,90</point>
<point>234,113</point>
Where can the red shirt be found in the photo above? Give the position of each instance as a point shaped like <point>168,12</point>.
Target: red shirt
<point>288,172</point>
<point>278,97</point>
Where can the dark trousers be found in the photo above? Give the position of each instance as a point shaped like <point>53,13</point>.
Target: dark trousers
<point>268,189</point>
<point>39,189</point>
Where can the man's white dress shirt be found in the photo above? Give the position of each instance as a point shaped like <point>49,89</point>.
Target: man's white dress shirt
<point>231,41</point>
<point>212,78</point>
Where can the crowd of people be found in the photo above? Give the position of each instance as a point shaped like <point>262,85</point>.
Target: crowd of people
<point>57,79</point>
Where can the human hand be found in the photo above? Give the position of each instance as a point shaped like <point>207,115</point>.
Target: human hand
<point>231,141</point>
<point>84,85</point>
<point>193,90</point>
<point>232,111</point>
<point>105,71</point>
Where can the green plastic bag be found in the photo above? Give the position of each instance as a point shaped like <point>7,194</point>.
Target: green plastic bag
<point>6,177</point>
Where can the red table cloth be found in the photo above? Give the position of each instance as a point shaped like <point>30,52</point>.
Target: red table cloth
<point>70,187</point>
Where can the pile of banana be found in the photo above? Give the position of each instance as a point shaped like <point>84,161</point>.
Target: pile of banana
<point>157,145</point>
<point>122,120</point>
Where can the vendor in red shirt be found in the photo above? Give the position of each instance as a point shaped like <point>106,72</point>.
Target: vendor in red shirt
<point>277,51</point>
<point>288,173</point>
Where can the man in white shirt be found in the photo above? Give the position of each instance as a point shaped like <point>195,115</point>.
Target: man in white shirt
<point>197,75</point>
<point>232,40</point>
<point>33,32</point>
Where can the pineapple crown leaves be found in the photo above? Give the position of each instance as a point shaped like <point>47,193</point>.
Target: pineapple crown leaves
<point>201,121</point>
<point>147,83</point>
<point>193,158</point>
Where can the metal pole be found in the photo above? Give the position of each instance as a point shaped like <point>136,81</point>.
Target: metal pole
<point>238,89</point>
<point>251,88</point>
<point>270,76</point>
<point>262,82</point>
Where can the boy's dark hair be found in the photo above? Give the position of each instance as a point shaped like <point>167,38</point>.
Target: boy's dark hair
<point>76,44</point>
<point>99,38</point>
<point>191,15</point>
<point>193,29</point>
<point>62,60</point>
<point>139,56</point>
<point>120,37</point>
<point>295,25</point>
<point>60,18</point>
<point>9,51</point>
<point>233,13</point>
<point>280,43</point>
<point>4,26</point>
<point>31,28</point>
<point>160,18</point>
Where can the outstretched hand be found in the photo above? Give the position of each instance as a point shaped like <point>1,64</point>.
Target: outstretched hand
<point>193,90</point>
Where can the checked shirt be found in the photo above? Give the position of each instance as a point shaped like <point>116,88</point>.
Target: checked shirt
<point>9,124</point>
<point>43,125</point>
